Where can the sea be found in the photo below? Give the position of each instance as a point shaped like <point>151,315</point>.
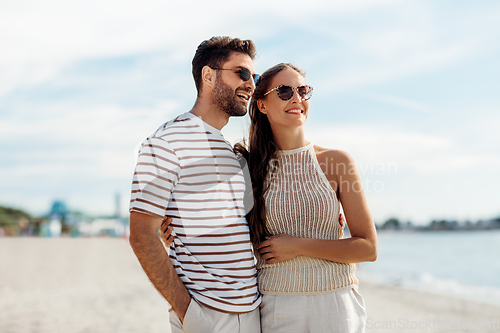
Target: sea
<point>463,264</point>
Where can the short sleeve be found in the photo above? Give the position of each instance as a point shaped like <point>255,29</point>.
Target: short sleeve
<point>156,174</point>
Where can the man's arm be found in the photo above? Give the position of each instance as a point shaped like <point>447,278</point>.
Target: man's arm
<point>155,261</point>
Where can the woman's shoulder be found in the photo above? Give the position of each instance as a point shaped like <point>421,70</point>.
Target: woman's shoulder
<point>332,155</point>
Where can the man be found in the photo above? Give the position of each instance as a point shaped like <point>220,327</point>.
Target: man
<point>186,170</point>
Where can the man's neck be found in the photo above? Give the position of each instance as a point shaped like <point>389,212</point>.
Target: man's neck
<point>210,114</point>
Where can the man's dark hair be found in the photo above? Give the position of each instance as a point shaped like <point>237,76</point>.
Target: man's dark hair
<point>216,51</point>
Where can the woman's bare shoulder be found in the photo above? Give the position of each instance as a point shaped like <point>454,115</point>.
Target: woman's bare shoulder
<point>333,155</point>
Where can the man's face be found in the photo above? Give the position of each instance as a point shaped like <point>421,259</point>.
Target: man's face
<point>231,94</point>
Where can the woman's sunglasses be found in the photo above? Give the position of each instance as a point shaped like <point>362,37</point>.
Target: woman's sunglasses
<point>244,73</point>
<point>286,92</point>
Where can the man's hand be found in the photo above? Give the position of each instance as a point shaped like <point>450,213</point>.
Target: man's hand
<point>166,231</point>
<point>278,248</point>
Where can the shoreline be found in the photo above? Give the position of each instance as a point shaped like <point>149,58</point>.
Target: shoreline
<point>97,285</point>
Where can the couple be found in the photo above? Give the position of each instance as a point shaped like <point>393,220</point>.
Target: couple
<point>303,279</point>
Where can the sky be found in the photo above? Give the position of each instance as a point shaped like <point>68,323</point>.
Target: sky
<point>410,89</point>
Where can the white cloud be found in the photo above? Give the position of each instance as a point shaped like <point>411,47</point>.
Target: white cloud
<point>407,39</point>
<point>400,102</point>
<point>96,141</point>
<point>405,65</point>
<point>409,151</point>
<point>96,124</point>
<point>381,140</point>
<point>318,8</point>
<point>480,127</point>
<point>40,39</point>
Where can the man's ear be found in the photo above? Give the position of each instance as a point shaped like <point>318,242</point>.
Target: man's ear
<point>208,76</point>
<point>262,106</point>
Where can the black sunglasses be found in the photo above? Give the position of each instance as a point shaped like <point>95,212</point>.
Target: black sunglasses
<point>286,92</point>
<point>245,73</point>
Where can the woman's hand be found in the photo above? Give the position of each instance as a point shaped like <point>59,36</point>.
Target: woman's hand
<point>278,248</point>
<point>166,231</point>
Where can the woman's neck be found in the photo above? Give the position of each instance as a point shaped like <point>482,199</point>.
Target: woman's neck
<point>287,139</point>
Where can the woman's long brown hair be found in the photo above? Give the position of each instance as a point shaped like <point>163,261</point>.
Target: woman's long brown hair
<point>261,153</point>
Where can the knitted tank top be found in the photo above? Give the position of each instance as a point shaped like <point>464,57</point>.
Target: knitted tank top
<point>300,202</point>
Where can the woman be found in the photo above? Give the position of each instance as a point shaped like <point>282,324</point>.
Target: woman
<point>305,267</point>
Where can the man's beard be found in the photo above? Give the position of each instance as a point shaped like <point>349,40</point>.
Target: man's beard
<point>225,99</point>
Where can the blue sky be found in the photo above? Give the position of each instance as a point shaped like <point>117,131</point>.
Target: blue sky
<point>409,88</point>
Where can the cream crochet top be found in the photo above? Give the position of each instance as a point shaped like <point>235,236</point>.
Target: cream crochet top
<point>300,202</point>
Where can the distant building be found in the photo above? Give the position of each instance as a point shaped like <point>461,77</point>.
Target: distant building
<point>103,227</point>
<point>117,205</point>
<point>58,210</point>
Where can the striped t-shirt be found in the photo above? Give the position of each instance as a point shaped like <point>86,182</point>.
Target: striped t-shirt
<point>188,171</point>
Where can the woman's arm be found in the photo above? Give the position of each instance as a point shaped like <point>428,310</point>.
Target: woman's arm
<point>362,246</point>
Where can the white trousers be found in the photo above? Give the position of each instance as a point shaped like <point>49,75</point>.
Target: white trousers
<point>339,312</point>
<point>200,319</point>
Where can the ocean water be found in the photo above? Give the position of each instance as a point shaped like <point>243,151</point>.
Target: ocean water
<point>465,264</point>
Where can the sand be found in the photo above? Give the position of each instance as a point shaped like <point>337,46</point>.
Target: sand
<point>96,285</point>
<point>394,309</point>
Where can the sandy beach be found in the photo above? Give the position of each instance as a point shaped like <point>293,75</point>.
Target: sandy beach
<point>393,309</point>
<point>96,285</point>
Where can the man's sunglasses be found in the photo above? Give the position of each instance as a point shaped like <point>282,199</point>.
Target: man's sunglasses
<point>244,73</point>
<point>286,92</point>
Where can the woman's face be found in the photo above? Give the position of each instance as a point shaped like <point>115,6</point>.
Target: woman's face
<point>290,113</point>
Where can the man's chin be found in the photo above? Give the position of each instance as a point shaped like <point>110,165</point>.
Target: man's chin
<point>237,113</point>
<point>240,114</point>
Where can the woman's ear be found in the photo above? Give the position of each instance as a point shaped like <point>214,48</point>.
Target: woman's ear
<point>262,106</point>
<point>208,76</point>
